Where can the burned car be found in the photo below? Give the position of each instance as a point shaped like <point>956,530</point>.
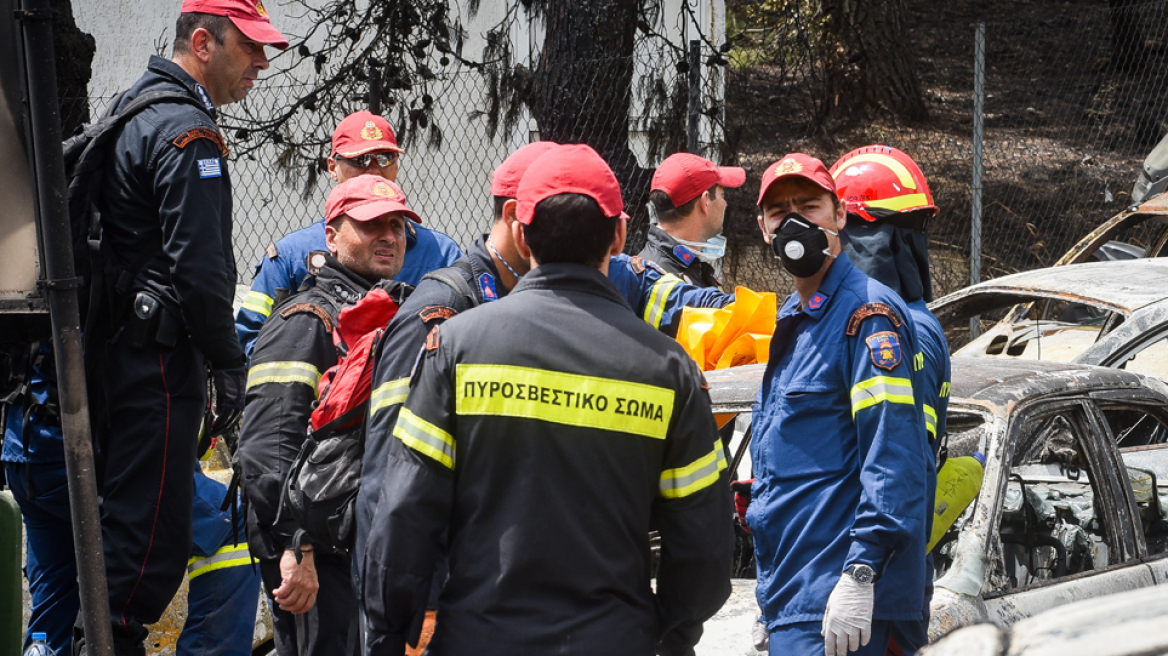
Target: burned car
<point>1074,499</point>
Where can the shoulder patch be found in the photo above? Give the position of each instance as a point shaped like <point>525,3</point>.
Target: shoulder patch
<point>684,254</point>
<point>884,347</point>
<point>308,308</point>
<point>871,310</point>
<point>433,312</point>
<point>272,252</point>
<point>315,261</point>
<point>183,140</point>
<point>432,339</point>
<point>637,263</point>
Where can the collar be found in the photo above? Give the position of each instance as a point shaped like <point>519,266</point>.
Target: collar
<point>168,69</point>
<point>486,275</point>
<point>340,281</point>
<point>665,243</point>
<point>571,277</point>
<point>817,304</point>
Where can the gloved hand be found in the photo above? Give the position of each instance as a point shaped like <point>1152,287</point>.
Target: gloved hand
<point>230,385</point>
<point>759,635</point>
<point>847,622</point>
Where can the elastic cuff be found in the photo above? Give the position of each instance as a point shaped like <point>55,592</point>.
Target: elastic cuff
<point>866,553</point>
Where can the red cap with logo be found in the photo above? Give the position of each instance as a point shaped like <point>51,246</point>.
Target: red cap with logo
<point>505,181</point>
<point>797,165</point>
<point>363,132</point>
<point>569,169</point>
<point>365,198</point>
<point>683,177</point>
<point>248,15</point>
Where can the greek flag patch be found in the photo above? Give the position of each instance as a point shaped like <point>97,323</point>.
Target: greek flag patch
<point>210,168</point>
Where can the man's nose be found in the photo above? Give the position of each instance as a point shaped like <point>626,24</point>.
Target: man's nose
<point>261,60</point>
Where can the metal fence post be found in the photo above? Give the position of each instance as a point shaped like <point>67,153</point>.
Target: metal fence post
<point>374,90</point>
<point>978,165</point>
<point>693,130</point>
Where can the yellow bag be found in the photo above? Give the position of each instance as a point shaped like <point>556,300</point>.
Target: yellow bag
<point>737,334</point>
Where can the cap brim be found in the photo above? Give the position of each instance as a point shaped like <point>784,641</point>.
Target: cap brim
<point>260,31</point>
<point>731,176</point>
<point>783,176</point>
<point>372,147</point>
<point>374,209</point>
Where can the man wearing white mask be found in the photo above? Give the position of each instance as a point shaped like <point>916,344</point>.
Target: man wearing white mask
<point>688,198</point>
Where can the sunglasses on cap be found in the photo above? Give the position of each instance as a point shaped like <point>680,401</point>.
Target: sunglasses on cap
<point>362,161</point>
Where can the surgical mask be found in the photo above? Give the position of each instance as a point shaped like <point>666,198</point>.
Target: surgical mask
<point>708,251</point>
<point>801,245</point>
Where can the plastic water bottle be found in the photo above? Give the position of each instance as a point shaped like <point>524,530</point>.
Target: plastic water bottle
<point>39,647</point>
<point>958,483</point>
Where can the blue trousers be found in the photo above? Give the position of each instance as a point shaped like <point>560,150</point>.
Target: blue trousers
<point>805,639</point>
<point>224,587</point>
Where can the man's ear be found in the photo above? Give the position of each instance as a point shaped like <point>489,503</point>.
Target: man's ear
<point>766,237</point>
<point>330,234</point>
<point>201,41</point>
<point>618,239</point>
<point>332,170</point>
<point>511,211</point>
<point>841,217</point>
<point>520,241</point>
<point>704,203</point>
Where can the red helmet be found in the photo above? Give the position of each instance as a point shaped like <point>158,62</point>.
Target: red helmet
<point>874,181</point>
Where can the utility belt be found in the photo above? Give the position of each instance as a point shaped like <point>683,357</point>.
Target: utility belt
<point>151,323</point>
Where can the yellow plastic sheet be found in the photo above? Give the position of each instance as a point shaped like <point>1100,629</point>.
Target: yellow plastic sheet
<point>737,334</point>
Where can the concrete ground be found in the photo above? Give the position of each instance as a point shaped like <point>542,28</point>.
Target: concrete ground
<point>728,632</point>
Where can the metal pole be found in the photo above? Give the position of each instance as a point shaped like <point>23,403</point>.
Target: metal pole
<point>693,141</point>
<point>978,165</point>
<point>61,285</point>
<point>374,89</point>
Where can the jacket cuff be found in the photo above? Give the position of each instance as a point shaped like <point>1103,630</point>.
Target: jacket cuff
<point>236,362</point>
<point>866,553</point>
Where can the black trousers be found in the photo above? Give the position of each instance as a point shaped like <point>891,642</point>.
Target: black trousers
<point>146,437</point>
<point>330,627</point>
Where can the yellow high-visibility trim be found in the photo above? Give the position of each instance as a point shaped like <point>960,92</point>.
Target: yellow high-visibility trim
<point>388,395</point>
<point>899,203</point>
<point>694,477</point>
<point>655,310</point>
<point>930,420</point>
<point>945,390</point>
<point>879,389</point>
<point>919,362</point>
<point>283,372</point>
<point>561,398</point>
<point>229,556</point>
<point>424,437</point>
<point>887,161</point>
<point>258,302</point>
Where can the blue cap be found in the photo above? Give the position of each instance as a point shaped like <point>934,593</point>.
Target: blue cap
<point>980,457</point>
<point>40,636</point>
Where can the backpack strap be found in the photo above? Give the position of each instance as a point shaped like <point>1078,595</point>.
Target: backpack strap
<point>455,277</point>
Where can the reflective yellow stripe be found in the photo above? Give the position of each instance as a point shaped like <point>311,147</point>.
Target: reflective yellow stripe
<point>880,389</point>
<point>919,362</point>
<point>655,310</point>
<point>930,420</point>
<point>283,372</point>
<point>569,399</point>
<point>887,161</point>
<point>424,437</point>
<point>229,556</point>
<point>899,203</point>
<point>945,390</point>
<point>694,477</point>
<point>389,394</point>
<point>258,302</point>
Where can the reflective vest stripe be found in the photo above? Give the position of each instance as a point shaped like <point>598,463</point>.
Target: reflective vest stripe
<point>563,398</point>
<point>230,556</point>
<point>694,477</point>
<point>945,390</point>
<point>919,362</point>
<point>879,389</point>
<point>424,437</point>
<point>258,302</point>
<point>930,421</point>
<point>388,395</point>
<point>283,372</point>
<point>655,310</point>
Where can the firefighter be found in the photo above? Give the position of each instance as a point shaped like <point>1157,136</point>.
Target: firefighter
<point>363,144</point>
<point>366,239</point>
<point>688,198</point>
<point>570,426</point>
<point>841,456</point>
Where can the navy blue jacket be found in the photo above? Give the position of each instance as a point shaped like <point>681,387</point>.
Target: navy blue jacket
<point>934,366</point>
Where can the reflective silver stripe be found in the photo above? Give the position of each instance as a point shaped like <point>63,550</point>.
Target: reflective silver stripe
<point>694,477</point>
<point>229,556</point>
<point>879,389</point>
<point>930,420</point>
<point>424,437</point>
<point>283,372</point>
<point>389,394</point>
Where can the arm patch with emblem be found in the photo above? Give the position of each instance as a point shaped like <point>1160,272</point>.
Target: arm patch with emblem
<point>884,347</point>
<point>433,312</point>
<point>183,140</point>
<point>308,308</point>
<point>872,310</point>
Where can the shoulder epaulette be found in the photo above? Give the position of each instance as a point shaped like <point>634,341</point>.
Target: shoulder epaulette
<point>185,139</point>
<point>872,310</point>
<point>308,308</point>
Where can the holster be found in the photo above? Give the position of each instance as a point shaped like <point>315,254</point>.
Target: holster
<point>150,323</point>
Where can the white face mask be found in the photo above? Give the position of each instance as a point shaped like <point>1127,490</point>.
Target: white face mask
<point>708,251</point>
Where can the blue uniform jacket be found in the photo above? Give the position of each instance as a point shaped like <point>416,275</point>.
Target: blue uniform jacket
<point>285,266</point>
<point>840,454</point>
<point>932,362</point>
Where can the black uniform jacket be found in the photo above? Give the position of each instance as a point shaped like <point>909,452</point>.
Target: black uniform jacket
<point>547,433</point>
<point>167,201</point>
<point>667,253</point>
<point>293,349</point>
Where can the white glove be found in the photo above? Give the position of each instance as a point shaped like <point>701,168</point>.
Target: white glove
<point>760,636</point>
<point>847,622</point>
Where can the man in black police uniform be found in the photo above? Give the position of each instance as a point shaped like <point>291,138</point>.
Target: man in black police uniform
<point>168,284</point>
<point>366,238</point>
<point>570,425</point>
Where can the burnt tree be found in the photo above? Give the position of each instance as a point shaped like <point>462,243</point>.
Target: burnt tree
<point>73,51</point>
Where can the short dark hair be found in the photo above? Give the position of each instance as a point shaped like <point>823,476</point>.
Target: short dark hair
<point>191,21</point>
<point>570,228</point>
<point>500,201</point>
<point>666,212</point>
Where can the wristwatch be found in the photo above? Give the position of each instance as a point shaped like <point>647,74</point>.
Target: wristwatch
<point>862,574</point>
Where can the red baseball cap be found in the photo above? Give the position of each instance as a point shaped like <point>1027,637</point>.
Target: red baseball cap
<point>797,165</point>
<point>683,177</point>
<point>249,16</point>
<point>505,181</point>
<point>365,198</point>
<point>363,132</point>
<point>569,169</point>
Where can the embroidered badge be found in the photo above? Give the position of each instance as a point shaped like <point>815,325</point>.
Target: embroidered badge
<point>637,264</point>
<point>260,9</point>
<point>183,140</point>
<point>788,166</point>
<point>816,301</point>
<point>487,284</point>
<point>871,310</point>
<point>308,308</point>
<point>654,266</point>
<point>432,339</point>
<point>205,97</point>
<point>382,188</point>
<point>210,168</point>
<point>683,254</point>
<point>884,347</point>
<point>315,261</point>
<point>370,132</point>
<point>434,312</point>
